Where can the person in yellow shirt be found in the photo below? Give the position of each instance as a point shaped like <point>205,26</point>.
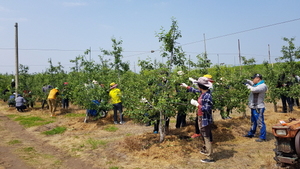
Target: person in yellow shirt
<point>52,100</point>
<point>115,100</point>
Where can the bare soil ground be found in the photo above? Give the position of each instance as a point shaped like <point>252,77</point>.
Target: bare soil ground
<point>131,146</point>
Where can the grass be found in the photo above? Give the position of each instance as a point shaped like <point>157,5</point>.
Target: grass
<point>12,142</point>
<point>113,167</point>
<point>74,115</point>
<point>30,121</point>
<point>12,116</point>
<point>111,128</point>
<point>96,143</point>
<point>57,130</point>
<point>29,150</point>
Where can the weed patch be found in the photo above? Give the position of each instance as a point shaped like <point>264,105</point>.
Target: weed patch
<point>111,128</point>
<point>12,142</point>
<point>74,115</point>
<point>96,143</point>
<point>29,150</point>
<point>31,121</point>
<point>57,130</point>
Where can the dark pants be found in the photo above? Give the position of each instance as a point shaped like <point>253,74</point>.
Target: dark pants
<point>44,102</point>
<point>65,103</point>
<point>180,120</point>
<point>156,124</point>
<point>181,117</point>
<point>29,103</point>
<point>118,107</point>
<point>197,130</point>
<point>21,108</point>
<point>287,100</point>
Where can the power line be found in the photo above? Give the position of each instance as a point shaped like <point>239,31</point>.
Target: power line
<point>221,36</point>
<point>261,27</point>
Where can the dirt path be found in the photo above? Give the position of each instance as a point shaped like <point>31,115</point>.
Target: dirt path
<point>9,159</point>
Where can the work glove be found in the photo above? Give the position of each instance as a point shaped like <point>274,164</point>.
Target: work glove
<point>144,100</point>
<point>250,82</point>
<point>183,85</point>
<point>194,102</point>
<point>192,80</point>
<point>248,86</point>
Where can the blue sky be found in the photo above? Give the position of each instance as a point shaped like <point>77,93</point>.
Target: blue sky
<point>64,29</point>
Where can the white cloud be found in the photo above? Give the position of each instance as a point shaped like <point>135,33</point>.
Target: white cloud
<point>74,4</point>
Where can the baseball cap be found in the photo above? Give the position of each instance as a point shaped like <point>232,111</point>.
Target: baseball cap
<point>256,75</point>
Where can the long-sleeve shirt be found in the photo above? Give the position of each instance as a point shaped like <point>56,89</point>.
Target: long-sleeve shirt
<point>20,101</point>
<point>205,106</point>
<point>257,95</point>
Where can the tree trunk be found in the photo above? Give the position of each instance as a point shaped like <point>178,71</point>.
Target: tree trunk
<point>162,129</point>
<point>275,107</point>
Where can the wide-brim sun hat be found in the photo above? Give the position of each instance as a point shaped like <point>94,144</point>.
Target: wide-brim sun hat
<point>204,81</point>
<point>113,85</point>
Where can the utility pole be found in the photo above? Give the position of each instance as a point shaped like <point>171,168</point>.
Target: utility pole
<point>269,55</point>
<point>90,54</point>
<point>189,63</point>
<point>16,60</point>
<point>204,44</point>
<point>240,59</point>
<point>134,67</point>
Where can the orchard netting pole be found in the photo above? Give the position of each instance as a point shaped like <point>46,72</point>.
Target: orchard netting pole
<point>240,59</point>
<point>17,60</point>
<point>269,52</point>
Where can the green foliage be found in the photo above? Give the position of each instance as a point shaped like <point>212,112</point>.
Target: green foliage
<point>57,130</point>
<point>169,47</point>
<point>202,64</point>
<point>117,64</point>
<point>290,52</point>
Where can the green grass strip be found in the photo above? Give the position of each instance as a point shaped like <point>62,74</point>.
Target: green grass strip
<point>31,121</point>
<point>57,130</point>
